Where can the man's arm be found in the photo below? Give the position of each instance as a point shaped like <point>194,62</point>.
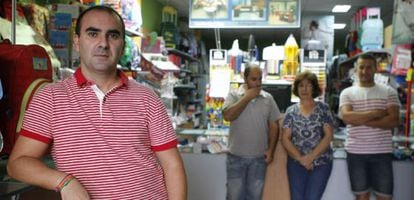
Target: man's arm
<point>358,118</point>
<point>174,172</point>
<point>391,120</point>
<point>233,111</point>
<point>273,136</point>
<point>25,165</point>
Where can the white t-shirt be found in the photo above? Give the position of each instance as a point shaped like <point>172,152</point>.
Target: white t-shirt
<point>364,139</point>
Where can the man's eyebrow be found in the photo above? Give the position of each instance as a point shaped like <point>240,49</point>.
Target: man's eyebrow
<point>114,31</point>
<point>93,29</point>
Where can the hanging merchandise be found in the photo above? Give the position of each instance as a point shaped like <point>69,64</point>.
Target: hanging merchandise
<point>169,29</point>
<point>114,4</point>
<point>127,56</point>
<point>401,59</point>
<point>26,35</point>
<point>24,70</point>
<point>372,36</point>
<point>131,14</point>
<point>290,64</point>
<point>235,57</point>
<point>214,108</point>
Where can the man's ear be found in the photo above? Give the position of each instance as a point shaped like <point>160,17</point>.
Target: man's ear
<point>75,39</point>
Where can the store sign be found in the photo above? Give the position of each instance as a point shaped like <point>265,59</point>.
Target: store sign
<point>244,13</point>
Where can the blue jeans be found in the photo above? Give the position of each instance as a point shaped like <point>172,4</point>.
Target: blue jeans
<point>245,177</point>
<point>307,184</point>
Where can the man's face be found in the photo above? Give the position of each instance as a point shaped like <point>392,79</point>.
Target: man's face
<point>365,70</point>
<point>100,43</point>
<point>254,79</point>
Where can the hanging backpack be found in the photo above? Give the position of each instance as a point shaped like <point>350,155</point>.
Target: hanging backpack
<point>24,70</point>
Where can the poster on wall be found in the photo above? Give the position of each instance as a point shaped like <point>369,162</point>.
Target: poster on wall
<point>318,33</point>
<point>244,13</point>
<point>403,22</point>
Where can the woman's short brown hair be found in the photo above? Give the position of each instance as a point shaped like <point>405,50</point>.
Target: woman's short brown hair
<point>307,75</point>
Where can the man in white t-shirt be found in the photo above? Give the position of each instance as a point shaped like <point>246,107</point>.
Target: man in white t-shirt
<point>370,111</point>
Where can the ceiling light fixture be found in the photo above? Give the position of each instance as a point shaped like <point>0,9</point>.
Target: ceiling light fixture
<point>341,8</point>
<point>339,26</point>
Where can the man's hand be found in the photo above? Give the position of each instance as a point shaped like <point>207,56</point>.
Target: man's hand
<point>74,191</point>
<point>251,93</point>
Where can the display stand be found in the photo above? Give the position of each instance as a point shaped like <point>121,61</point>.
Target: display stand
<point>315,62</point>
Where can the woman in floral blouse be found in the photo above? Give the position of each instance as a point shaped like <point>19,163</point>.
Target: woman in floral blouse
<point>307,134</point>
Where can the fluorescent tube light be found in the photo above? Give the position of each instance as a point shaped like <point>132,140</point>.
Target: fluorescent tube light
<point>339,26</point>
<point>341,8</point>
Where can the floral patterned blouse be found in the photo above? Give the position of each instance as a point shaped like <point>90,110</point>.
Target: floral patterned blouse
<point>307,131</point>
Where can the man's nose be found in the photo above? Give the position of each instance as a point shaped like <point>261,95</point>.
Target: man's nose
<point>103,42</point>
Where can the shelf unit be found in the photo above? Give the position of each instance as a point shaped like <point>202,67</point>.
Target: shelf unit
<point>190,90</point>
<point>182,54</point>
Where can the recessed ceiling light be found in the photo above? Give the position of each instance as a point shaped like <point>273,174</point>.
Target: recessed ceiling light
<point>341,8</point>
<point>339,26</point>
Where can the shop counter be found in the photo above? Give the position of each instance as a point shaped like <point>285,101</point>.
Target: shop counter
<point>206,175</point>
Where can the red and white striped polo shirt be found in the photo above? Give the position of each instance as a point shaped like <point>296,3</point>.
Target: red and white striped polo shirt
<point>364,139</point>
<point>108,147</point>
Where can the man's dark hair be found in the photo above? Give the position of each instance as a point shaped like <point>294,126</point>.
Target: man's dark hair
<point>307,75</point>
<point>99,8</point>
<point>368,57</point>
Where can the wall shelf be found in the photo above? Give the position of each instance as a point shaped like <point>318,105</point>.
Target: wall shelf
<point>182,54</point>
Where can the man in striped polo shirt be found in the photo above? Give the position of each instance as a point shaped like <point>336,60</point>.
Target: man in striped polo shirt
<point>370,111</point>
<point>110,137</point>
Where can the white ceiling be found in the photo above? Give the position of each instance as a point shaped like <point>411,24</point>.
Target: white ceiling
<point>309,8</point>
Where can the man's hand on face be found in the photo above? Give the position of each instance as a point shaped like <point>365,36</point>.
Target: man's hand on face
<point>252,93</point>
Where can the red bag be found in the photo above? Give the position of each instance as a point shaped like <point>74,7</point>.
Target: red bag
<point>24,69</point>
